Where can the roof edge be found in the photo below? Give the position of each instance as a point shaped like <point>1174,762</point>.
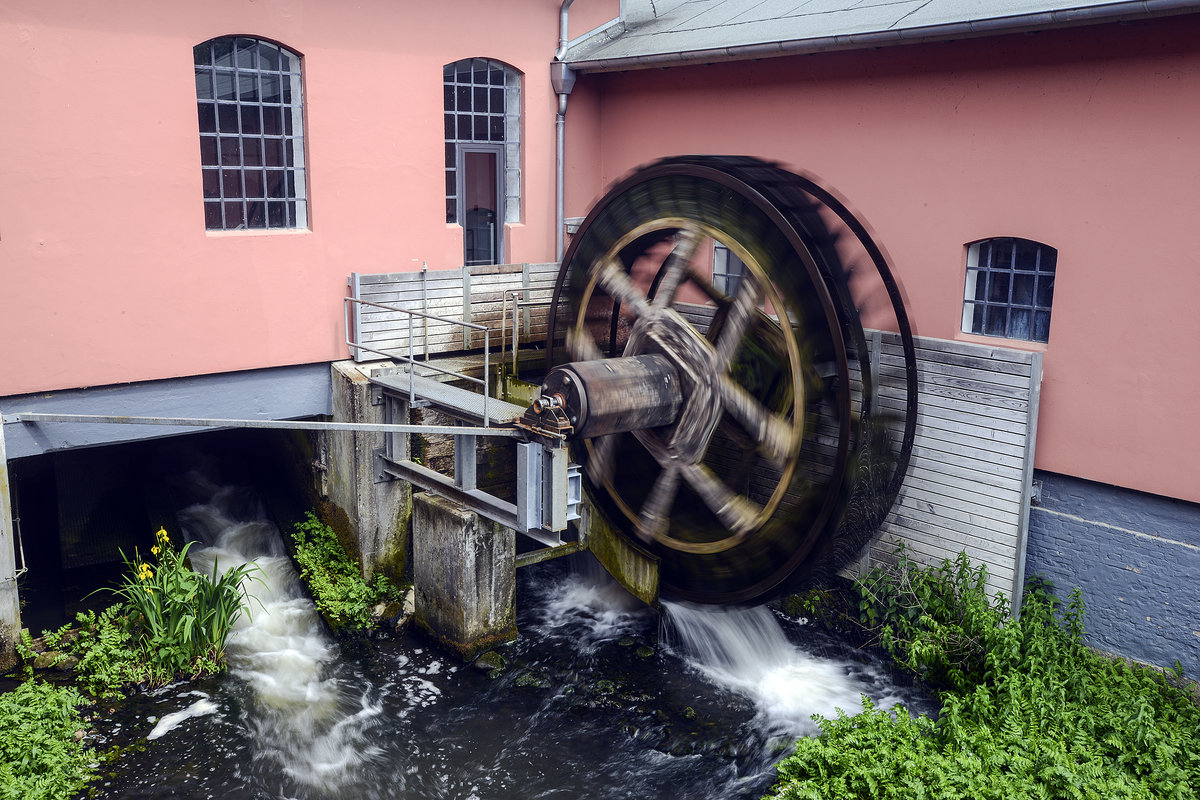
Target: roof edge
<point>1129,11</point>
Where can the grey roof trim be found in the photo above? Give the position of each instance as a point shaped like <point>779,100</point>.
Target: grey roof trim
<point>1128,11</point>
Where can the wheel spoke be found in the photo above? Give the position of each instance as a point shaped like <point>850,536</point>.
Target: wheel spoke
<point>772,433</point>
<point>655,514</point>
<point>745,303</point>
<point>616,282</point>
<point>581,347</point>
<point>736,512</point>
<point>676,267</point>
<point>600,460</point>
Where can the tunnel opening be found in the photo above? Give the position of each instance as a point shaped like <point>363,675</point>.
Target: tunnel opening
<point>77,511</point>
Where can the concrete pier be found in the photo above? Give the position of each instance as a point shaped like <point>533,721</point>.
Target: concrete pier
<point>376,512</point>
<point>465,576</point>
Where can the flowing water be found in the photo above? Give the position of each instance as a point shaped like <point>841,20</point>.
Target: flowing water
<point>601,698</point>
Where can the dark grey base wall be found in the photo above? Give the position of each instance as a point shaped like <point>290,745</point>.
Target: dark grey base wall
<point>1135,556</point>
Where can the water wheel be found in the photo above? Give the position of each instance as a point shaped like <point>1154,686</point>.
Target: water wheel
<point>734,290</point>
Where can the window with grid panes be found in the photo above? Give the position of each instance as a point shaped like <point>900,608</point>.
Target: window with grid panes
<point>250,106</point>
<point>1010,288</point>
<point>482,106</point>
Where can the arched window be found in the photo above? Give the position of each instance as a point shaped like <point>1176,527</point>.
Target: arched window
<point>250,104</point>
<point>483,154</point>
<point>1010,287</point>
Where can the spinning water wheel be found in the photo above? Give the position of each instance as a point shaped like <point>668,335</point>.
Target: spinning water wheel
<point>716,376</point>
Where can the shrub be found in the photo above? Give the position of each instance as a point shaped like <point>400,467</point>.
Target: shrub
<point>334,581</point>
<point>1026,709</point>
<point>935,621</point>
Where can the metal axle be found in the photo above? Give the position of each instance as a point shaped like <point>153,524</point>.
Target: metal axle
<point>613,395</point>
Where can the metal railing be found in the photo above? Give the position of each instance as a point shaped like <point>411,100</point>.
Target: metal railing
<point>517,305</point>
<point>410,359</point>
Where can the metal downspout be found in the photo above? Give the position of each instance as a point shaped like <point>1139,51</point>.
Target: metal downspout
<point>562,78</point>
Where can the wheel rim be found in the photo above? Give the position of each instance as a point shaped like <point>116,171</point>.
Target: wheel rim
<point>755,474</point>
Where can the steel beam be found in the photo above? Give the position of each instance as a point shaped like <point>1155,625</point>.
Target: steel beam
<point>284,424</point>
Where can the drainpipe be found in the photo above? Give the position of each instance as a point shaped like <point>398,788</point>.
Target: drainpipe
<point>562,78</point>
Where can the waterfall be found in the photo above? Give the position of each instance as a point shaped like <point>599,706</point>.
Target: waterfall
<point>312,725</point>
<point>745,650</point>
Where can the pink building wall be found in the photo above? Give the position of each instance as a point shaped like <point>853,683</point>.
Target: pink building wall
<point>1086,140</point>
<point>108,274</point>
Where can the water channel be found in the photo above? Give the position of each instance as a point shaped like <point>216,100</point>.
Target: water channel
<point>602,697</point>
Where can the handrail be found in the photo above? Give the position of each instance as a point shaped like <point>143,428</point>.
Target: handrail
<point>410,359</point>
<point>511,294</point>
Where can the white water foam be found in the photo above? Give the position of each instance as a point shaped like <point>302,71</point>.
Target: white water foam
<point>201,708</point>
<point>309,722</point>
<point>745,650</point>
<point>592,608</point>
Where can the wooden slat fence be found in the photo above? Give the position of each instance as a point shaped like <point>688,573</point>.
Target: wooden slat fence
<point>471,294</point>
<point>968,484</point>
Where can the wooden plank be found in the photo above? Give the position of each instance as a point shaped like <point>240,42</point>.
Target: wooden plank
<point>978,493</point>
<point>1009,418</point>
<point>984,352</point>
<point>929,355</point>
<point>413,294</point>
<point>962,386</point>
<point>1016,400</point>
<point>495,269</point>
<point>966,435</point>
<point>933,548</point>
<point>931,368</point>
<point>951,531</point>
<point>387,278</point>
<point>1001,466</point>
<point>961,517</point>
<point>937,469</point>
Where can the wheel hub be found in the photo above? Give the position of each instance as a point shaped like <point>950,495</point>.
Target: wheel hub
<point>686,439</point>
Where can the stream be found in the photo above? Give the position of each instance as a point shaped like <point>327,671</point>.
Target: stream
<point>601,698</point>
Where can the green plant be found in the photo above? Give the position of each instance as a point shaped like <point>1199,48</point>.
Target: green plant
<point>936,621</point>
<point>1027,710</point>
<point>817,605</point>
<point>41,752</point>
<point>334,581</point>
<point>171,620</point>
<point>109,658</point>
<point>180,618</point>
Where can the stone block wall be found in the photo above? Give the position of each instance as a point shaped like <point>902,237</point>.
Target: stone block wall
<point>1135,556</point>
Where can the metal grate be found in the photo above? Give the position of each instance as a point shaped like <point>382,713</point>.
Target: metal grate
<point>482,106</point>
<point>1010,288</point>
<point>249,104</point>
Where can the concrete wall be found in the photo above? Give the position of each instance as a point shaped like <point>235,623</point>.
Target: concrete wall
<point>1137,558</point>
<point>1087,140</point>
